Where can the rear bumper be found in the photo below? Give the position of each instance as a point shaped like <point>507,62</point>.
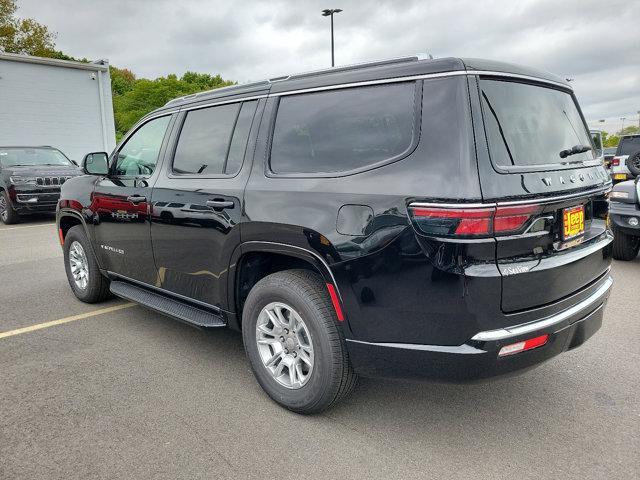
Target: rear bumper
<point>477,359</point>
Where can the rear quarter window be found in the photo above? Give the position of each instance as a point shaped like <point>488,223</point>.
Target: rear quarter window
<point>342,131</point>
<point>628,145</point>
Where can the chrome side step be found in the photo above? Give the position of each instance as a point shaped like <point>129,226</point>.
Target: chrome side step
<point>168,306</point>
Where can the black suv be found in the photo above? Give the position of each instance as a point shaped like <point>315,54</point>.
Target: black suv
<point>441,219</point>
<point>30,180</point>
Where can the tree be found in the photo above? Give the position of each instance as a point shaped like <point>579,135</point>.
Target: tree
<point>141,96</point>
<point>24,35</point>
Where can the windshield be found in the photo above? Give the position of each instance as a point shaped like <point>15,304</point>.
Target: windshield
<point>11,157</point>
<point>532,126</point>
<point>628,145</point>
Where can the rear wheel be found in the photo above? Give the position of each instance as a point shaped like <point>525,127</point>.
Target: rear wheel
<point>83,273</point>
<point>625,246</point>
<point>7,214</point>
<point>296,349</point>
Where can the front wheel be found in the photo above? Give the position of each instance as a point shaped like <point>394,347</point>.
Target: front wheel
<point>294,345</point>
<point>83,273</point>
<point>625,246</point>
<point>7,214</point>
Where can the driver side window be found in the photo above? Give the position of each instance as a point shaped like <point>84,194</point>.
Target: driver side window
<point>139,155</point>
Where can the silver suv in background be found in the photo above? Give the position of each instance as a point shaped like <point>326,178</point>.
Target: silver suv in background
<point>626,163</point>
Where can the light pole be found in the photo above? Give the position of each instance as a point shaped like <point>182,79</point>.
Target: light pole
<point>638,121</point>
<point>328,12</point>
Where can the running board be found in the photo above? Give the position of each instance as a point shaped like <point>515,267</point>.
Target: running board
<point>160,303</point>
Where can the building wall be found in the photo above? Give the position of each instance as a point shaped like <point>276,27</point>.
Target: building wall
<point>56,104</point>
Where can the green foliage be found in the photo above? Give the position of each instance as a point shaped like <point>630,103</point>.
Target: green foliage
<point>132,99</point>
<point>614,139</point>
<point>23,35</point>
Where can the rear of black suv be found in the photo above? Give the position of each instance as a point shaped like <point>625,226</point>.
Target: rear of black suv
<point>505,278</point>
<point>439,219</point>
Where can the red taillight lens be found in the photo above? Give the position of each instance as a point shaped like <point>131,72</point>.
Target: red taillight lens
<point>472,222</point>
<point>457,221</point>
<point>523,346</point>
<point>512,219</point>
<point>615,162</point>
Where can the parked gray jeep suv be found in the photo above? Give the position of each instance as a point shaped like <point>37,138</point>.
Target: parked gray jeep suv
<point>30,180</point>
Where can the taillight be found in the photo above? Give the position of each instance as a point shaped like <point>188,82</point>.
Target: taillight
<point>472,222</point>
<point>615,162</point>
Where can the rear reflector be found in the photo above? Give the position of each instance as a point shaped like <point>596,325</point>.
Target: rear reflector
<point>335,301</point>
<point>473,222</point>
<point>523,346</point>
<point>61,236</point>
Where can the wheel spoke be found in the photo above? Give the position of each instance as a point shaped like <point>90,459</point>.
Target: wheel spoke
<point>283,341</point>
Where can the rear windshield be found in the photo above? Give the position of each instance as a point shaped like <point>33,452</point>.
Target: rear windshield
<point>529,125</point>
<point>11,157</point>
<point>628,145</point>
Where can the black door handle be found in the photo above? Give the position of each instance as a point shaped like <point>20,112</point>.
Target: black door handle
<point>219,204</point>
<point>136,198</point>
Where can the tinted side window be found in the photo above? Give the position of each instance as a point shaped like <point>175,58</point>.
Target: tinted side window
<point>628,145</point>
<point>240,136</point>
<point>139,155</point>
<point>343,130</point>
<point>204,140</point>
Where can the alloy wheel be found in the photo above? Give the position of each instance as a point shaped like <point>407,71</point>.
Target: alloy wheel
<point>285,345</point>
<point>4,214</point>
<point>79,265</point>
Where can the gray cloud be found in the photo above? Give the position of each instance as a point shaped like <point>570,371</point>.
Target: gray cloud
<point>596,43</point>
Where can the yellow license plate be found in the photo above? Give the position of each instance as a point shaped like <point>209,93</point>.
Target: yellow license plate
<point>620,176</point>
<point>573,222</point>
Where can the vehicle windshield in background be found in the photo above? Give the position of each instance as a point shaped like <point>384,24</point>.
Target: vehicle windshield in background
<point>528,125</point>
<point>628,145</point>
<point>12,157</point>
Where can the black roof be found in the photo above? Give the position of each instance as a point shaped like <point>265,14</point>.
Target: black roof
<point>400,67</point>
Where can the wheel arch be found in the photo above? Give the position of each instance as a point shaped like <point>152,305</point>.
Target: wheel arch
<point>251,261</point>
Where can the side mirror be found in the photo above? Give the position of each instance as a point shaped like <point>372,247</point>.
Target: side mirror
<point>96,163</point>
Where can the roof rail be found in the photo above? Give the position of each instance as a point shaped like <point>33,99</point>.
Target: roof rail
<point>354,66</point>
<point>230,88</point>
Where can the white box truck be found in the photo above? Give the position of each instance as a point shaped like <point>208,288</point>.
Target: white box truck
<point>63,104</point>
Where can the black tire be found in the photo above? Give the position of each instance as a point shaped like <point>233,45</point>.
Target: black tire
<point>633,163</point>
<point>332,377</point>
<point>625,246</point>
<point>97,288</point>
<point>8,215</point>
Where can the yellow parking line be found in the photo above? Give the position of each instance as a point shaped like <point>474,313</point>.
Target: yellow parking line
<point>28,226</point>
<point>53,323</point>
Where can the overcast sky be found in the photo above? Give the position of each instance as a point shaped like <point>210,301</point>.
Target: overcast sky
<point>595,42</point>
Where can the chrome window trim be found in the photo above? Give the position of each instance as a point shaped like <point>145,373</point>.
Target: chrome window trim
<point>382,81</point>
<point>420,77</point>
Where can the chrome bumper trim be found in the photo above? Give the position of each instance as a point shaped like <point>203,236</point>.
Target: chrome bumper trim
<point>517,330</point>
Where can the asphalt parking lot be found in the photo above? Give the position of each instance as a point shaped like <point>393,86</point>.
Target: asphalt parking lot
<point>132,394</point>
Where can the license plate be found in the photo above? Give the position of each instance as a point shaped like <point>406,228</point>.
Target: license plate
<point>573,222</point>
<point>620,176</point>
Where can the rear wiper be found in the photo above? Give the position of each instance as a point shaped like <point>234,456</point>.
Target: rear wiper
<point>574,150</point>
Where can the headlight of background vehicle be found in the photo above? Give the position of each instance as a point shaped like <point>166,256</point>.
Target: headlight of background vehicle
<point>614,195</point>
<point>16,180</point>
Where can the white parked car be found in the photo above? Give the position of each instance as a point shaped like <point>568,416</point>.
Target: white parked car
<point>626,163</point>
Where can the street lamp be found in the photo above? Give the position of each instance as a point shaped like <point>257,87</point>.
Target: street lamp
<point>328,12</point>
